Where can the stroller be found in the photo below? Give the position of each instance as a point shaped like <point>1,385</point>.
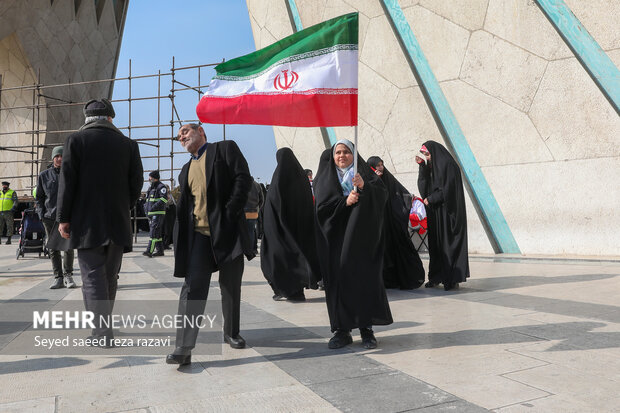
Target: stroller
<point>32,234</point>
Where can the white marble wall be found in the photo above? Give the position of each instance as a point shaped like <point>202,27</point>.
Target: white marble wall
<point>66,41</point>
<point>545,136</point>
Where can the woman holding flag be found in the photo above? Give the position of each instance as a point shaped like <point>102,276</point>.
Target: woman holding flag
<point>349,208</point>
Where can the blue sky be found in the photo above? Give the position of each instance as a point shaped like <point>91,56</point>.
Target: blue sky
<point>195,32</point>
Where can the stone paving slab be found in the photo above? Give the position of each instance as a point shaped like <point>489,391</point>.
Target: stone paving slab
<point>520,336</point>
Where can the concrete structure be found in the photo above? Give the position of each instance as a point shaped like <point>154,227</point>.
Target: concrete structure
<point>522,335</point>
<point>63,41</point>
<point>546,137</point>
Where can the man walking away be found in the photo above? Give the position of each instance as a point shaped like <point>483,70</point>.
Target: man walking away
<point>100,181</point>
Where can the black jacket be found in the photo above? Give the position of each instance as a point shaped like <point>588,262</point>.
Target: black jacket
<point>228,184</point>
<point>156,199</point>
<point>47,192</point>
<point>100,180</point>
<point>256,200</point>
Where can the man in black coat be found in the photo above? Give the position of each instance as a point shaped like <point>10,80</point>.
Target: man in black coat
<point>100,180</point>
<point>210,236</point>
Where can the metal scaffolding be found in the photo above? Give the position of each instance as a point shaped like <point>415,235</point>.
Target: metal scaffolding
<point>158,150</point>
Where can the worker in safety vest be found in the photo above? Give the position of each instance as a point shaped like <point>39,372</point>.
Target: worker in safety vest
<point>8,206</point>
<point>155,208</point>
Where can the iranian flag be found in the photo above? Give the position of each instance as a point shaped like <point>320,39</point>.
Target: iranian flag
<point>306,79</point>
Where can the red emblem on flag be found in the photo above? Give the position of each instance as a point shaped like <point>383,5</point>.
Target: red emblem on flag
<point>285,80</point>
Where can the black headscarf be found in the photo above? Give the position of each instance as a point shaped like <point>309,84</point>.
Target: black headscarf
<point>351,247</point>
<point>289,260</point>
<point>402,266</point>
<point>440,182</point>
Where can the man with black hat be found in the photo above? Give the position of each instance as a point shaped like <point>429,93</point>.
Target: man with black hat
<point>46,199</point>
<point>100,181</point>
<point>155,209</point>
<point>8,206</point>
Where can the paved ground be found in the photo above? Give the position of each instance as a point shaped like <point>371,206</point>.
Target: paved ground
<point>523,335</point>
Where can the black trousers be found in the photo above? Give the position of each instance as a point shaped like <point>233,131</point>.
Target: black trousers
<point>195,290</point>
<point>99,268</point>
<point>156,229</point>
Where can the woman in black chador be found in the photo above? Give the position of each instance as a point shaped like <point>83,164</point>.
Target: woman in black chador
<point>440,185</point>
<point>402,266</point>
<point>288,248</point>
<point>350,245</point>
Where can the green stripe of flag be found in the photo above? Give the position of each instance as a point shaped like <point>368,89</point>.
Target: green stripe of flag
<point>341,30</point>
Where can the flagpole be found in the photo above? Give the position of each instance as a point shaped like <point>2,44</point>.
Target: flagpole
<point>355,155</point>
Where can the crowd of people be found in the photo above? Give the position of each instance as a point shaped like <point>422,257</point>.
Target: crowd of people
<point>345,231</point>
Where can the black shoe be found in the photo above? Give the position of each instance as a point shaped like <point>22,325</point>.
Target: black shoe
<point>450,286</point>
<point>8,241</point>
<point>58,283</point>
<point>340,339</point>
<point>278,297</point>
<point>157,254</point>
<point>368,338</point>
<point>321,285</point>
<point>180,359</point>
<point>147,254</point>
<point>297,298</point>
<point>430,284</point>
<point>235,342</point>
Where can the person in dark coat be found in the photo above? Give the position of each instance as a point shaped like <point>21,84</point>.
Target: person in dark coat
<point>46,201</point>
<point>350,245</point>
<point>157,197</point>
<point>288,255</point>
<point>210,236</point>
<point>402,266</point>
<point>100,180</point>
<point>441,187</point>
<point>171,214</point>
<point>252,208</point>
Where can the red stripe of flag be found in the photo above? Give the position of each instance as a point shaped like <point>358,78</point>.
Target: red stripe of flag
<point>280,109</point>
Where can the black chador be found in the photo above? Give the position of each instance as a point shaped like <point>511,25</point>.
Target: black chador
<point>288,253</point>
<point>439,181</point>
<point>351,248</point>
<point>402,266</point>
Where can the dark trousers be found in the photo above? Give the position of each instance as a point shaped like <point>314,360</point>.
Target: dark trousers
<point>252,231</point>
<point>6,220</point>
<point>156,229</point>
<point>57,261</point>
<point>195,290</point>
<point>99,269</point>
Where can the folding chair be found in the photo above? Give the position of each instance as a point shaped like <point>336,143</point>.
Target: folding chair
<point>419,240</point>
<point>417,225</point>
